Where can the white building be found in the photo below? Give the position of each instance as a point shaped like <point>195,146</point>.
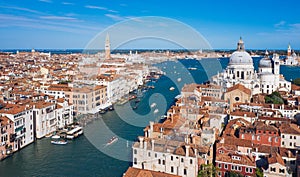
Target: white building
<point>290,136</point>
<point>292,58</point>
<point>168,156</point>
<point>22,116</point>
<point>241,70</point>
<point>44,117</point>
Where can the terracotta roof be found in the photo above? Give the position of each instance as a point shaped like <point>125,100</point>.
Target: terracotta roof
<point>276,158</point>
<point>290,129</point>
<point>242,113</point>
<point>135,172</point>
<point>239,87</point>
<point>4,120</point>
<point>245,160</point>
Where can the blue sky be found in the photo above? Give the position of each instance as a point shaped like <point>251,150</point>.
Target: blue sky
<point>72,24</point>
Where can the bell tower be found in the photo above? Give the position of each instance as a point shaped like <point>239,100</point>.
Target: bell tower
<point>107,47</point>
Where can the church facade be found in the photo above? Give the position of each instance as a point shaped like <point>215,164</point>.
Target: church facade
<point>240,70</point>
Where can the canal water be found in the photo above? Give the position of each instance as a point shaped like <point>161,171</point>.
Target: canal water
<point>89,155</point>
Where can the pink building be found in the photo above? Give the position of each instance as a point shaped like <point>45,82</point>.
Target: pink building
<point>6,133</point>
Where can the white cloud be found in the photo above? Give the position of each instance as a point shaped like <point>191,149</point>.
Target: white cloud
<point>95,7</point>
<point>280,24</point>
<point>21,9</point>
<point>47,1</point>
<point>58,18</point>
<point>100,8</point>
<point>115,17</point>
<point>67,3</point>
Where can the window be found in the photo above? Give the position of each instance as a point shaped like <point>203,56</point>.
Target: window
<point>184,172</point>
<point>149,154</point>
<point>281,170</point>
<point>291,143</point>
<point>220,165</point>
<point>172,158</point>
<point>272,169</point>
<point>163,162</point>
<point>291,137</point>
<point>240,168</point>
<point>159,161</point>
<point>237,98</point>
<point>191,161</point>
<point>282,143</point>
<point>181,159</point>
<point>294,137</point>
<point>172,169</point>
<point>225,166</point>
<point>250,170</point>
<point>135,151</point>
<point>258,138</point>
<point>155,155</point>
<point>135,161</point>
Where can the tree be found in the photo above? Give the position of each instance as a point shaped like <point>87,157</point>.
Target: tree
<point>208,170</point>
<point>234,174</point>
<point>274,98</point>
<point>296,81</point>
<point>259,172</point>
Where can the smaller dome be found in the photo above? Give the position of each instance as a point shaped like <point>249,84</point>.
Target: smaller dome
<point>265,63</point>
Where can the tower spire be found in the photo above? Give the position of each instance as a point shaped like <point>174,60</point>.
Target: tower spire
<point>107,47</point>
<point>240,45</point>
<point>289,51</point>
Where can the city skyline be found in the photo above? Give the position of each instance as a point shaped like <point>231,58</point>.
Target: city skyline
<point>52,24</point>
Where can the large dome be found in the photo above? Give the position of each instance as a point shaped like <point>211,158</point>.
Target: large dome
<point>240,58</point>
<point>265,63</point>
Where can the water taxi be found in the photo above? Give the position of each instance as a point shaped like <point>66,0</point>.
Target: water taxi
<point>153,105</point>
<point>77,131</point>
<point>172,88</point>
<point>112,140</point>
<point>61,142</point>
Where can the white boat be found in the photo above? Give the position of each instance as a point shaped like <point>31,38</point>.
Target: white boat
<point>55,137</point>
<point>172,88</point>
<point>77,131</point>
<point>192,68</point>
<point>155,111</point>
<point>59,142</point>
<point>112,140</point>
<point>153,105</point>
<point>179,80</point>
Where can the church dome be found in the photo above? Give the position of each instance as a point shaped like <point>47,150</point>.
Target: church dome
<point>265,62</point>
<point>240,57</point>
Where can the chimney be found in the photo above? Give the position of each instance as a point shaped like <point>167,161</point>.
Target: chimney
<point>151,126</point>
<point>141,139</point>
<point>152,144</point>
<point>187,150</point>
<point>145,145</point>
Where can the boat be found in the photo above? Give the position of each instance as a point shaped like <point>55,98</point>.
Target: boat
<point>132,97</point>
<point>61,142</point>
<point>55,137</point>
<point>172,88</point>
<point>192,68</point>
<point>102,111</point>
<point>153,105</point>
<point>77,131</point>
<point>179,79</point>
<point>111,108</point>
<point>155,111</point>
<point>112,140</point>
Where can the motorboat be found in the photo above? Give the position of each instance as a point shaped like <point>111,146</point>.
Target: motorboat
<point>153,105</point>
<point>112,140</point>
<point>172,88</point>
<point>61,142</point>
